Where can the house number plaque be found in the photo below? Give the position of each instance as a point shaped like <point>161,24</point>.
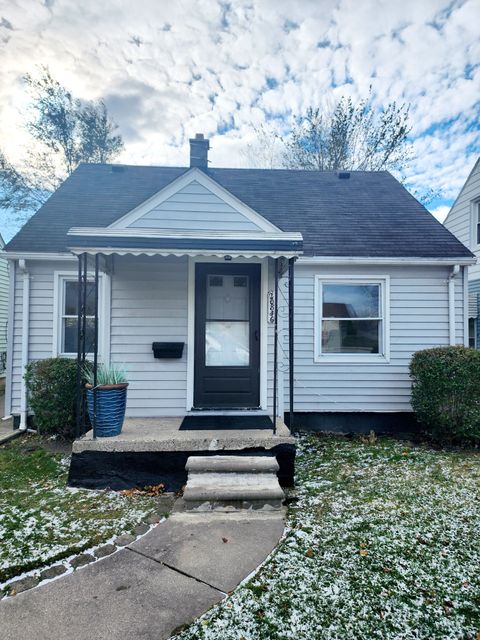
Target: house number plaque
<point>271,307</point>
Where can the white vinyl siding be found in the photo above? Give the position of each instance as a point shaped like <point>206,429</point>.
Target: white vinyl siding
<point>4,286</point>
<point>149,302</point>
<point>419,318</point>
<point>462,219</point>
<point>41,318</point>
<point>195,207</point>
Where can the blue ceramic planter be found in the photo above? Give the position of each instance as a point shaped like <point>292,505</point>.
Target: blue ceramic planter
<point>111,404</point>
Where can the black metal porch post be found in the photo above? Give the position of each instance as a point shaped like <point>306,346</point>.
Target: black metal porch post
<point>291,269</point>
<point>275,348</point>
<point>81,337</point>
<point>79,347</point>
<point>95,350</point>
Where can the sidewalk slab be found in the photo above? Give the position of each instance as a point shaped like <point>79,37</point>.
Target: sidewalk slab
<point>123,597</point>
<point>219,549</point>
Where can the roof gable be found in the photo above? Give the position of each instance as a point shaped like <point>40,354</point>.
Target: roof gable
<point>473,172</point>
<point>194,201</point>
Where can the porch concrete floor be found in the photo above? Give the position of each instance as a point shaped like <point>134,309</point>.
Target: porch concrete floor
<point>163,434</point>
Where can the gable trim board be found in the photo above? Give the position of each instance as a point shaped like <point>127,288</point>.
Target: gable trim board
<point>193,176</point>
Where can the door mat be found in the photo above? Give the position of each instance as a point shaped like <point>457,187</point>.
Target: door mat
<point>224,423</point>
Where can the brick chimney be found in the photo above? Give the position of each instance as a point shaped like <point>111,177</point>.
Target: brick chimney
<point>199,151</point>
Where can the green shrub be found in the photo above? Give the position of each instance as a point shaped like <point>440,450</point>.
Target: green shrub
<point>446,393</point>
<point>52,389</point>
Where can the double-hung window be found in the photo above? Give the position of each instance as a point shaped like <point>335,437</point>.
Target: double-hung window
<point>476,223</point>
<point>352,319</point>
<point>66,338</point>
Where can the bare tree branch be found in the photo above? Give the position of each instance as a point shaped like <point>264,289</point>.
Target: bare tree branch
<point>65,131</point>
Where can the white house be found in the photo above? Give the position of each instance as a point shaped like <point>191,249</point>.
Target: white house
<point>463,221</point>
<point>189,257</point>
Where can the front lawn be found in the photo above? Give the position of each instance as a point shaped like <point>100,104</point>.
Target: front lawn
<point>384,543</point>
<point>41,520</point>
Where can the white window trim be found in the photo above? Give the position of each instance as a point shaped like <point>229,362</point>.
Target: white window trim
<point>348,358</point>
<point>474,221</point>
<point>59,278</point>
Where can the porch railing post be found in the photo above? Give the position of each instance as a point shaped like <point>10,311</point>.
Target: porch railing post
<point>79,349</point>
<point>275,348</point>
<point>291,292</point>
<point>95,350</point>
<point>84,336</point>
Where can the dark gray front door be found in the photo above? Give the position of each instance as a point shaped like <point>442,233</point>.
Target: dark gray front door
<point>227,336</point>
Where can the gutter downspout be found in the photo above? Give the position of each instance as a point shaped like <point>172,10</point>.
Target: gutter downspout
<point>451,303</point>
<point>25,335</point>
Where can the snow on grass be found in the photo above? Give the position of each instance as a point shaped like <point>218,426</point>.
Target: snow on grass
<point>383,543</point>
<point>42,520</point>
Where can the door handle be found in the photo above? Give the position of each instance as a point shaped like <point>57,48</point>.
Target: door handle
<point>256,335</point>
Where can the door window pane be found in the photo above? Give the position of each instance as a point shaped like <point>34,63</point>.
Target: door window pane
<point>227,300</point>
<point>227,326</point>
<point>351,300</point>
<point>351,336</point>
<point>227,344</point>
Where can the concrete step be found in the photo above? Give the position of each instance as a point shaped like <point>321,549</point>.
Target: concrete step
<point>232,464</point>
<point>231,483</point>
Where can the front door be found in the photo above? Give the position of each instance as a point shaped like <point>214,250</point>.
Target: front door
<point>227,336</point>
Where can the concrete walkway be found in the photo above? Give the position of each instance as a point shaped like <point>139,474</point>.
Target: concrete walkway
<point>148,590</point>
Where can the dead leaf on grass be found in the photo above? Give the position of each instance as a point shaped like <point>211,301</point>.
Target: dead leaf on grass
<point>149,490</point>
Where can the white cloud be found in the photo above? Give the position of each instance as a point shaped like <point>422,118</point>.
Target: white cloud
<point>169,70</point>
<point>440,212</point>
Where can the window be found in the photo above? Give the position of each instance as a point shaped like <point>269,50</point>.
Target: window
<point>475,223</point>
<point>351,319</point>
<point>66,304</point>
<point>472,332</point>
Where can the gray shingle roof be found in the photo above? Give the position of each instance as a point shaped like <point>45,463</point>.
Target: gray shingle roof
<point>370,214</point>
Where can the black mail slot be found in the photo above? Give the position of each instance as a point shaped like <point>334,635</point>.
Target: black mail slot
<point>167,349</point>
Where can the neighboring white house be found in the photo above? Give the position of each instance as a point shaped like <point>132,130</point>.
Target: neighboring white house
<point>3,310</point>
<point>189,256</point>
<point>463,221</point>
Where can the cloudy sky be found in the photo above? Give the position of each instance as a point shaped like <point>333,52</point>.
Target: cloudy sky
<point>170,68</point>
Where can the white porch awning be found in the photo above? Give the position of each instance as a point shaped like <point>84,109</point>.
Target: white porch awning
<point>107,241</point>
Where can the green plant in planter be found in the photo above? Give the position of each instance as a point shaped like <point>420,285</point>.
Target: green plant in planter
<point>106,375</point>
<point>107,401</point>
